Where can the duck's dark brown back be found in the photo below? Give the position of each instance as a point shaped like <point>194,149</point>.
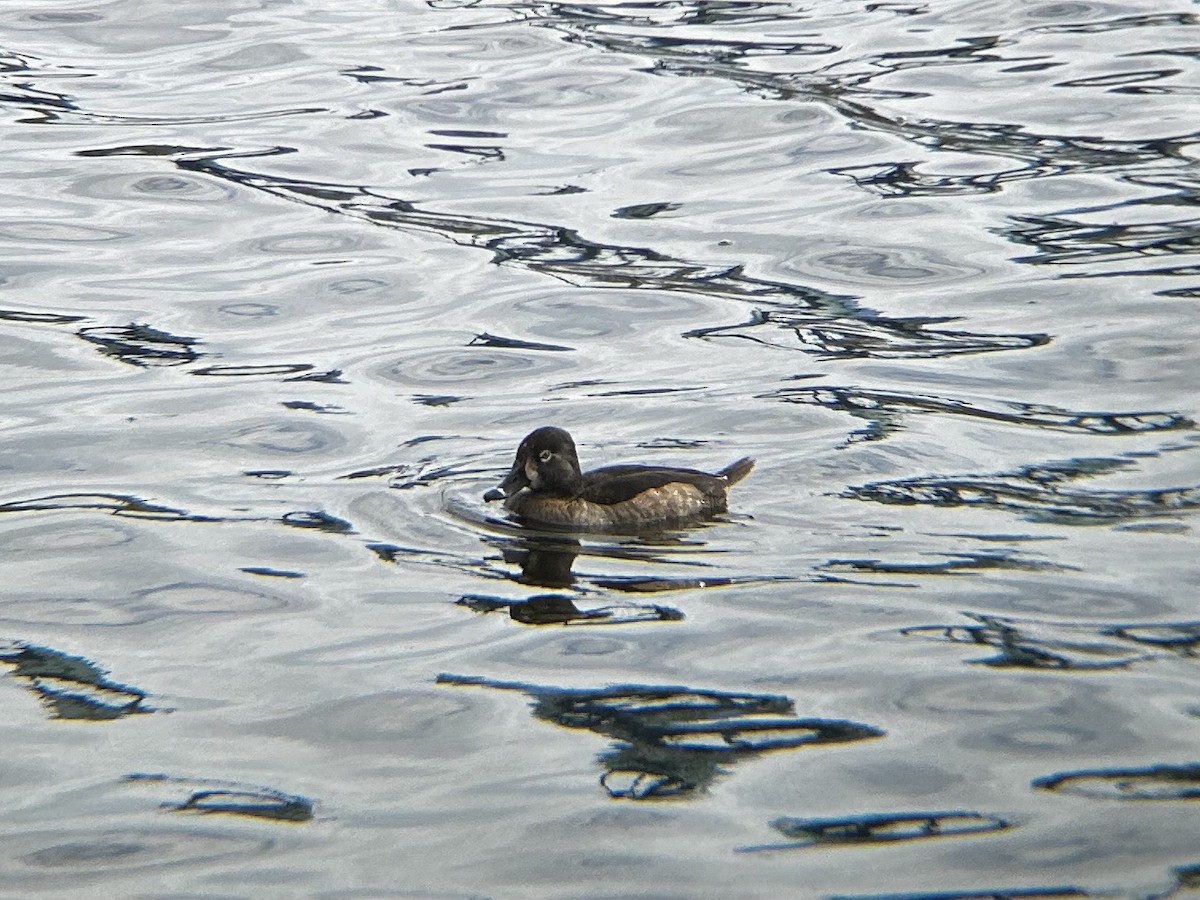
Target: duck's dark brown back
<point>616,484</point>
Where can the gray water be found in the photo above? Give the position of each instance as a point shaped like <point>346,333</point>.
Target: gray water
<point>283,285</point>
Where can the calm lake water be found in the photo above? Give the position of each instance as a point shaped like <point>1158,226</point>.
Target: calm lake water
<point>283,284</point>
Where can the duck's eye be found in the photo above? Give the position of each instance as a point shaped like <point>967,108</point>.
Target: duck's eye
<point>544,456</point>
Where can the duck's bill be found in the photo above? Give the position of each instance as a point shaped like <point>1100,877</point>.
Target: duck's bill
<point>513,482</point>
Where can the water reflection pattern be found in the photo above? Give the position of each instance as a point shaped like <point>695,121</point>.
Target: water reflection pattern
<point>879,828</point>
<point>1163,782</point>
<point>1037,644</point>
<point>830,325</point>
<point>1126,211</point>
<point>884,411</point>
<point>670,742</point>
<point>71,687</point>
<point>141,345</point>
<point>1066,892</point>
<point>213,796</point>
<point>845,86</point>
<point>1039,493</point>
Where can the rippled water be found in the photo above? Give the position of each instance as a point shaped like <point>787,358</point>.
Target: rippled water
<point>284,284</point>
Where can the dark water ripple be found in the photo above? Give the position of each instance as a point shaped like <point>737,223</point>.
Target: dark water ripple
<point>824,323</point>
<point>19,74</point>
<point>141,345</point>
<point>214,796</point>
<point>1162,782</point>
<point>1064,242</point>
<point>673,741</point>
<point>849,338</point>
<point>879,828</point>
<point>39,318</point>
<point>886,410</point>
<point>116,504</point>
<point>846,84</point>
<point>71,687</point>
<point>1039,492</point>
<point>956,564</point>
<point>1034,644</point>
<point>1064,892</point>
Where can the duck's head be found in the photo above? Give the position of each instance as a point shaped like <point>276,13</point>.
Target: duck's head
<point>546,463</point>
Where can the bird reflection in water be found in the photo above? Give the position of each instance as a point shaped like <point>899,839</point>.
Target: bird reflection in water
<point>547,561</point>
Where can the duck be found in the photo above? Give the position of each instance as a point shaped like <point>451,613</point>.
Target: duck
<point>547,487</point>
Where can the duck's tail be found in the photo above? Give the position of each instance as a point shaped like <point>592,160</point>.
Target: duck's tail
<point>736,471</point>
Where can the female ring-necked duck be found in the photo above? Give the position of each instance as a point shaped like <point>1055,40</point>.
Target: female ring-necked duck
<point>546,487</point>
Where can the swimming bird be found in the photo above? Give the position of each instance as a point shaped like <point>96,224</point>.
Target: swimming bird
<point>546,487</point>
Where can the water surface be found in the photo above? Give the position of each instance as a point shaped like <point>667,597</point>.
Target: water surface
<point>283,286</point>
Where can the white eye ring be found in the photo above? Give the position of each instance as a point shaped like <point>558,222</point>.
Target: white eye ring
<point>544,456</point>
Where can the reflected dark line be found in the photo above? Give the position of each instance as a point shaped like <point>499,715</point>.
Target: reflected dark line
<point>1120,78</point>
<point>650,584</point>
<point>1039,155</point>
<point>433,400</point>
<point>1043,644</point>
<point>956,564</point>
<point>1061,241</point>
<point>371,75</point>
<point>1186,879</point>
<point>483,152</point>
<point>557,251</point>
<point>505,343</point>
<point>846,87</point>
<point>1182,271</point>
<point>39,318</point>
<point>145,346</point>
<point>879,828</point>
<point>117,504</point>
<point>828,324</point>
<point>1146,783</point>
<point>1120,23</point>
<point>211,796</point>
<point>845,337</point>
<point>23,95</point>
<point>884,410</point>
<point>57,108</point>
<point>142,345</point>
<point>129,506</point>
<point>71,687</point>
<point>1064,892</point>
<point>670,742</point>
<point>317,521</point>
<point>326,409</point>
<point>254,371</point>
<point>329,376</point>
<point>643,210</point>
<point>268,572</point>
<point>1037,492</point>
